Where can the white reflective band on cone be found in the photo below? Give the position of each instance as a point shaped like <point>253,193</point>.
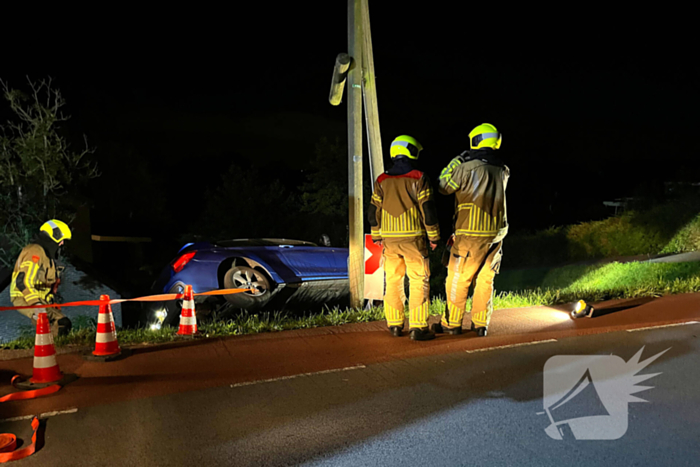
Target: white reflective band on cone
<point>105,318</point>
<point>45,362</point>
<point>188,320</point>
<point>43,339</point>
<point>104,337</point>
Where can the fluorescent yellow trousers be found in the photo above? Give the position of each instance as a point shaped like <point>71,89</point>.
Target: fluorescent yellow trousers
<point>401,258</point>
<point>474,259</point>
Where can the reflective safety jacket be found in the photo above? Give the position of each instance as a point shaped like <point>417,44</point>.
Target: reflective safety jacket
<point>479,182</point>
<point>403,206</point>
<point>34,278</point>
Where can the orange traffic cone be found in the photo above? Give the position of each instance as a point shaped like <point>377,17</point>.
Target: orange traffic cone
<point>46,371</point>
<point>45,367</point>
<point>188,317</point>
<point>106,340</point>
<point>106,344</point>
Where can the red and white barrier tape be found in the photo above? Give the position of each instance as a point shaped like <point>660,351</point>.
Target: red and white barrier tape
<point>150,298</point>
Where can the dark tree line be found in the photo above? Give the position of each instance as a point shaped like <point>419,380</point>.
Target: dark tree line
<point>249,203</point>
<point>40,173</point>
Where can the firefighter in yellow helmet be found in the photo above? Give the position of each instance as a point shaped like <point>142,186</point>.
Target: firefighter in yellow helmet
<point>35,278</point>
<point>478,179</point>
<point>402,214</point>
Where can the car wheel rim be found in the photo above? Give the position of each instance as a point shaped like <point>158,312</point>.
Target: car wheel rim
<point>249,280</point>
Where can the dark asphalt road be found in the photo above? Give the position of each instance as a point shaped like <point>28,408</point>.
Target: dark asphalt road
<point>465,408</point>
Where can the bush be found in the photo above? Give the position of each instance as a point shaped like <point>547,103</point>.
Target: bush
<point>686,239</point>
<point>671,227</point>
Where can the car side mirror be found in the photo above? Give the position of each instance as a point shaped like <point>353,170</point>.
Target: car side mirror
<point>325,240</point>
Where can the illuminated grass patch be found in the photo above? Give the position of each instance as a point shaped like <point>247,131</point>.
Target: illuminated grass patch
<point>555,286</point>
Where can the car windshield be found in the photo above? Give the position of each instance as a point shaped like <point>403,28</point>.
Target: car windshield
<point>262,242</point>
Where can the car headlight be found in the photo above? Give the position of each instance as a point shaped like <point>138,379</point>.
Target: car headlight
<point>155,326</point>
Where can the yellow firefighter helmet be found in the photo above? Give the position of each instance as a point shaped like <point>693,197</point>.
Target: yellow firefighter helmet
<point>407,146</point>
<point>57,230</point>
<point>485,136</point>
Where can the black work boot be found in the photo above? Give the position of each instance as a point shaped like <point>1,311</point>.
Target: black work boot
<point>438,328</point>
<point>396,331</point>
<point>481,332</point>
<point>64,326</point>
<point>421,335</point>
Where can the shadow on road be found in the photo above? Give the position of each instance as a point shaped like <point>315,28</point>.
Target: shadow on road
<point>626,305</point>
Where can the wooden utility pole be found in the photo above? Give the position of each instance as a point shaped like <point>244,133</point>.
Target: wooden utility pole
<point>369,92</point>
<point>357,67</point>
<point>356,260</point>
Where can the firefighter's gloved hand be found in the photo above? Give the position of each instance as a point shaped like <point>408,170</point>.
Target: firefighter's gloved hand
<point>378,242</point>
<point>433,245</point>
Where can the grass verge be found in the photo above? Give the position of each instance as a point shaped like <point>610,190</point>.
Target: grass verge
<point>547,287</point>
<point>671,227</point>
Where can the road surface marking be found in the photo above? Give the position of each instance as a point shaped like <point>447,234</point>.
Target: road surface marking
<point>511,345</point>
<point>663,326</point>
<point>260,381</point>
<point>42,416</point>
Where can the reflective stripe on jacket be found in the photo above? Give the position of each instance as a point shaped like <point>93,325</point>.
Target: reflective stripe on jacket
<point>480,197</point>
<point>403,207</point>
<point>34,276</point>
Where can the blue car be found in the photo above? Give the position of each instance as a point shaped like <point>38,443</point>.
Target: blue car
<point>279,273</point>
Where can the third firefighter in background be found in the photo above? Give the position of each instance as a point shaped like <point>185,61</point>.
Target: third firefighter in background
<point>402,214</point>
<point>36,276</point>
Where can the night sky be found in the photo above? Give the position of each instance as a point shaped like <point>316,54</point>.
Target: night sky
<point>593,103</point>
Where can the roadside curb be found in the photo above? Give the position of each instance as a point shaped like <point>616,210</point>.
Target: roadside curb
<point>15,354</point>
<point>373,326</point>
<point>509,333</point>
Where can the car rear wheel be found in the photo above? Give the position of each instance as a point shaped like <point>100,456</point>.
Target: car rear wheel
<point>244,277</point>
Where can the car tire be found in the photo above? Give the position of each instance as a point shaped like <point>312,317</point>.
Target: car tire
<point>242,277</point>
